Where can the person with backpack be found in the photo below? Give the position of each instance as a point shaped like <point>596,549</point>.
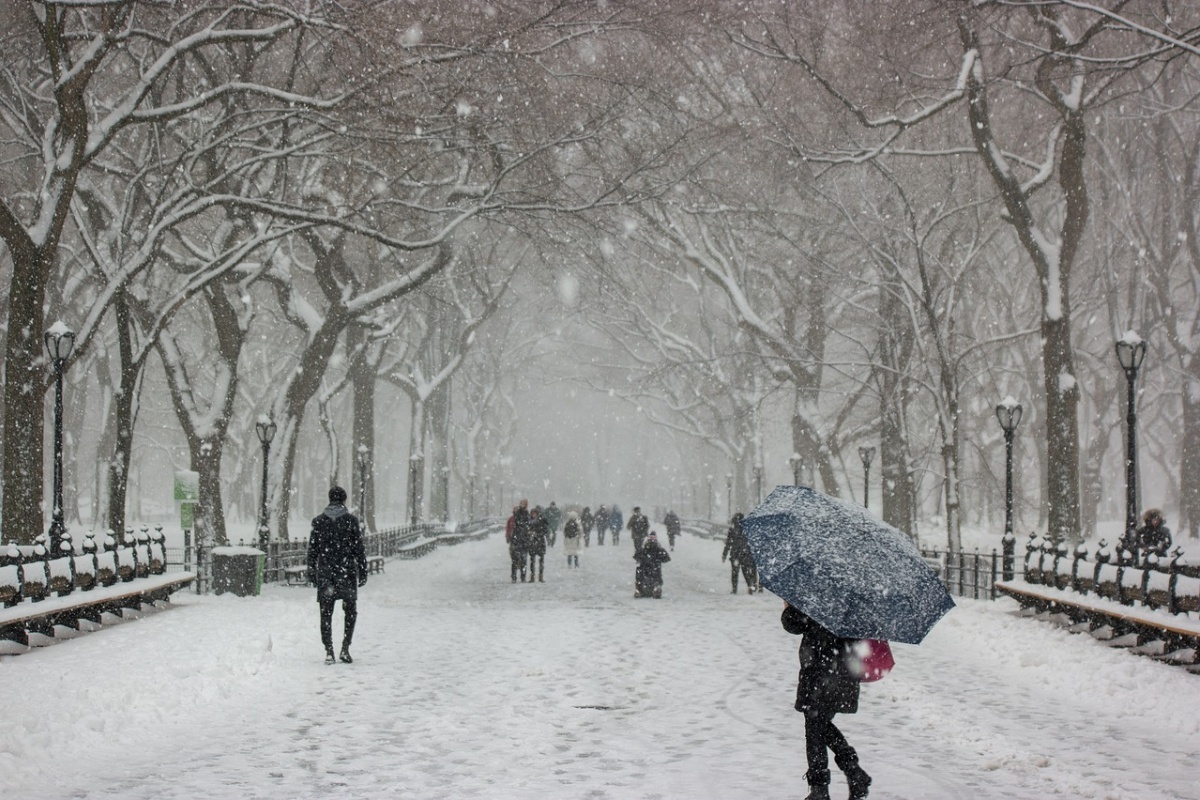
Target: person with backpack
<point>827,686</point>
<point>648,579</point>
<point>572,538</point>
<point>337,566</point>
<point>638,526</point>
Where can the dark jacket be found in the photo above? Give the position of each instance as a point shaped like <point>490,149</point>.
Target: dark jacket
<point>585,519</point>
<point>737,548</point>
<point>520,538</point>
<point>671,520</point>
<point>539,532</point>
<point>826,684</point>
<point>337,560</point>
<point>650,559</point>
<point>1154,539</point>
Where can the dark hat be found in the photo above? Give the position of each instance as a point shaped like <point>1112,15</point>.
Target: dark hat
<point>337,495</point>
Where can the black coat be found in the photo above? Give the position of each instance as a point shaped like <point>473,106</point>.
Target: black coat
<point>650,559</point>
<point>826,684</point>
<point>737,547</point>
<point>539,531</point>
<point>337,560</point>
<point>1154,539</point>
<point>520,540</point>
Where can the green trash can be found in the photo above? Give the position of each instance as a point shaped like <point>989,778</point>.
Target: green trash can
<point>238,570</point>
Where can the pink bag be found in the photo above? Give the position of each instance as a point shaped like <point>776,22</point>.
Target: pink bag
<point>872,660</point>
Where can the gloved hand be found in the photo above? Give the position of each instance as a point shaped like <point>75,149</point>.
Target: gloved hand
<point>362,580</point>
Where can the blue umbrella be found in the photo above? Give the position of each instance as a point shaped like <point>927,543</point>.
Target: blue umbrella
<point>855,575</point>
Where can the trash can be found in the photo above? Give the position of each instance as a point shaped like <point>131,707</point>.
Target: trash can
<point>238,570</point>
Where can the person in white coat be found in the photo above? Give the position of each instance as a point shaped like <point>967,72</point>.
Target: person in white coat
<point>572,538</point>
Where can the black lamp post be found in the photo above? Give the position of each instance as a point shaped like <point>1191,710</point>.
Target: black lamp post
<point>729,494</point>
<point>1131,350</point>
<point>866,454</point>
<point>59,342</point>
<point>710,497</point>
<point>794,463</point>
<point>1008,412</point>
<point>265,427</point>
<point>758,476</point>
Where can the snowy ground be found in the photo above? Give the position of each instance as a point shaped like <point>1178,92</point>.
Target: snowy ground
<point>467,686</point>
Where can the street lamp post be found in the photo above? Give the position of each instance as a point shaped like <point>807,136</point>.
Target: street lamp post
<point>1131,350</point>
<point>1008,412</point>
<point>866,454</point>
<point>758,476</point>
<point>60,340</point>
<point>729,494</point>
<point>265,427</point>
<point>710,497</point>
<point>794,463</point>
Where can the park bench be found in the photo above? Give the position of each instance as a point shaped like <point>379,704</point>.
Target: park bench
<point>1150,609</point>
<point>40,593</point>
<point>298,575</point>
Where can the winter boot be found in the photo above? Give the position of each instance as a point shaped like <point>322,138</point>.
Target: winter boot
<point>329,659</point>
<point>345,656</point>
<point>818,784</point>
<point>856,777</point>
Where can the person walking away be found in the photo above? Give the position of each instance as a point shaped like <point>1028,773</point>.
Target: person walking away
<point>572,538</point>
<point>827,686</point>
<point>337,565</point>
<point>553,519</point>
<point>520,540</point>
<point>616,521</point>
<point>671,520</point>
<point>638,526</point>
<point>602,518</point>
<point>1153,537</point>
<point>539,533</point>
<point>585,522</point>
<point>737,550</point>
<point>647,578</point>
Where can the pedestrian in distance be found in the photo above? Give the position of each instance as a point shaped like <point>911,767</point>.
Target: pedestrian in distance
<point>827,686</point>
<point>602,523</point>
<point>518,549</point>
<point>616,521</point>
<point>585,522</point>
<point>638,526</point>
<point>671,521</point>
<point>648,578</point>
<point>572,539</point>
<point>539,535</point>
<point>737,550</point>
<point>337,565</point>
<point>553,519</point>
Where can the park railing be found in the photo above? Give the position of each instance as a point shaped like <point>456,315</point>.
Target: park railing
<point>282,557</point>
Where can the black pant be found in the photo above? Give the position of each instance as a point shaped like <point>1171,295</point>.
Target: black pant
<point>749,571</point>
<point>518,563</point>
<point>537,566</point>
<point>576,558</point>
<point>349,611</point>
<point>820,736</point>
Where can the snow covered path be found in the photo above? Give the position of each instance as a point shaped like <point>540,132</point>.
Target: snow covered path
<point>467,686</point>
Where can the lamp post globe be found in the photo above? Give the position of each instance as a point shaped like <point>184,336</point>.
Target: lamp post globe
<point>1008,414</point>
<point>265,428</point>
<point>867,454</point>
<point>60,341</point>
<point>1131,351</point>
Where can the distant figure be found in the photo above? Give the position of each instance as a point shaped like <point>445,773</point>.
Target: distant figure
<point>1153,537</point>
<point>518,549</point>
<point>585,521</point>
<point>616,520</point>
<point>648,579</point>
<point>737,550</point>
<point>671,520</point>
<point>602,523</point>
<point>572,539</point>
<point>827,686</point>
<point>539,533</point>
<point>337,565</point>
<point>553,518</point>
<point>638,526</point>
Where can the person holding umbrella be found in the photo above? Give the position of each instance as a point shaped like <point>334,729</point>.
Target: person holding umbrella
<point>827,686</point>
